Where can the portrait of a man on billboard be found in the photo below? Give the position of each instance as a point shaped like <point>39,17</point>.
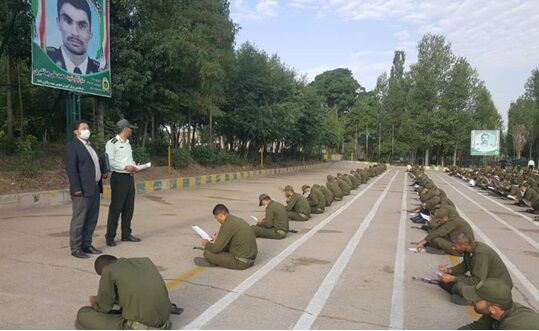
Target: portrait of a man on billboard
<point>485,142</point>
<point>74,22</point>
<point>71,45</point>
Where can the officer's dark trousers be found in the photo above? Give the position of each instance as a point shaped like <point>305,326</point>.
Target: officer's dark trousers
<point>122,203</point>
<point>83,221</point>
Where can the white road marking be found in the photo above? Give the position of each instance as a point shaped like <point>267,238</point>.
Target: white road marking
<point>512,268</point>
<point>529,219</point>
<point>229,298</point>
<point>396,321</point>
<point>496,217</point>
<point>321,296</point>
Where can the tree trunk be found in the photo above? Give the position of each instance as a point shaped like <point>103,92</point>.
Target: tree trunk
<point>145,133</point>
<point>426,162</point>
<point>211,128</point>
<point>518,155</point>
<point>9,106</point>
<point>530,152</point>
<point>153,128</point>
<point>455,156</point>
<point>100,122</point>
<point>20,101</point>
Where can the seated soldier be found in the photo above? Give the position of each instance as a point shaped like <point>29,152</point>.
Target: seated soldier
<point>235,244</point>
<point>275,223</point>
<point>328,196</point>
<point>494,301</point>
<point>315,198</point>
<point>529,198</point>
<point>437,240</point>
<point>136,287</point>
<point>355,181</point>
<point>332,185</point>
<point>297,206</point>
<point>343,185</point>
<point>479,260</point>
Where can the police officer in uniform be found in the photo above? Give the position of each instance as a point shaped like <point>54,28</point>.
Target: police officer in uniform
<point>122,183</point>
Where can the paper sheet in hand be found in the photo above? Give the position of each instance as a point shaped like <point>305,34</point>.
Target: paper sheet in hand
<point>438,273</point>
<point>416,250</point>
<point>512,197</point>
<point>253,217</point>
<point>141,167</point>
<point>426,217</point>
<point>201,233</point>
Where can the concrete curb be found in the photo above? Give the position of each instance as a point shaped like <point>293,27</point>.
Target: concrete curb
<point>58,197</point>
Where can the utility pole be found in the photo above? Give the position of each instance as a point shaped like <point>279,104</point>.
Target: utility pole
<point>379,140</point>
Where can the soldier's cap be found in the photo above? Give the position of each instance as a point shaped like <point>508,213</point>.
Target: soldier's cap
<point>525,184</point>
<point>492,290</point>
<point>316,185</point>
<point>305,187</point>
<point>289,188</point>
<point>122,124</point>
<point>262,197</point>
<point>330,177</point>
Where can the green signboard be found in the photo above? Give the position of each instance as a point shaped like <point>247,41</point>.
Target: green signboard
<point>485,143</point>
<point>71,45</point>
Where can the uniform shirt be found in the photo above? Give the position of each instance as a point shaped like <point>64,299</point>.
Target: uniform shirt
<point>137,287</point>
<point>518,317</point>
<point>236,237</point>
<point>276,217</point>
<point>316,198</point>
<point>531,163</point>
<point>299,204</point>
<point>482,263</point>
<point>335,189</point>
<point>120,154</point>
<point>453,224</point>
<point>328,196</point>
<point>344,186</point>
<point>94,157</point>
<point>70,66</point>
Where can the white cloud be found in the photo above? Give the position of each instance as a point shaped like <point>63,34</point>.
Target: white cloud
<point>263,8</point>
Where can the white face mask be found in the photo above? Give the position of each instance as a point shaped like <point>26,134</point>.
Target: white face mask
<point>85,134</point>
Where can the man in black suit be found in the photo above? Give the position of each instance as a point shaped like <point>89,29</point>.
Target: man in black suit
<point>74,22</point>
<point>85,185</point>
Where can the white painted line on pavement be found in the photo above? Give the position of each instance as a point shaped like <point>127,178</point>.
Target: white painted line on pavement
<point>496,217</point>
<point>229,298</point>
<point>516,212</point>
<point>396,321</point>
<point>321,296</point>
<point>512,268</point>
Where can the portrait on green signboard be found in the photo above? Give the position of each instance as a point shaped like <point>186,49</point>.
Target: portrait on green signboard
<point>485,142</point>
<point>70,45</point>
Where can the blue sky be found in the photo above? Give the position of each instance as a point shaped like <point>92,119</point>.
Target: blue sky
<point>500,38</point>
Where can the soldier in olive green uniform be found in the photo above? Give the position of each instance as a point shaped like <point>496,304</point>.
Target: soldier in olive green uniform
<point>343,185</point>
<point>275,223</point>
<point>479,260</point>
<point>235,244</point>
<point>297,206</point>
<point>492,298</point>
<point>448,220</point>
<point>135,285</point>
<point>315,198</point>
<point>332,185</point>
<point>328,195</point>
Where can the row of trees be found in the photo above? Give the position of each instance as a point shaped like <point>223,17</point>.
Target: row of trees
<point>523,121</point>
<point>182,79</point>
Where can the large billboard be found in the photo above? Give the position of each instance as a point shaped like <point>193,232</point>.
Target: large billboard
<point>71,45</point>
<point>485,142</point>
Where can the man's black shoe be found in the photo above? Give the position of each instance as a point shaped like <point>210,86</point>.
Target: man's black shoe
<point>131,238</point>
<point>111,243</point>
<point>80,254</point>
<point>91,250</point>
<point>419,221</point>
